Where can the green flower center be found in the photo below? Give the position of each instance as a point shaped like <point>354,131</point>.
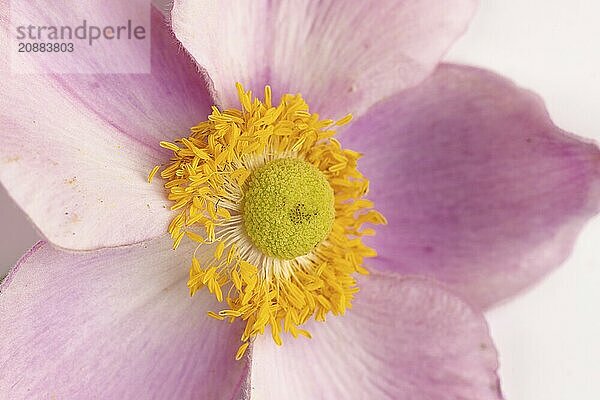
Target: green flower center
<point>288,208</point>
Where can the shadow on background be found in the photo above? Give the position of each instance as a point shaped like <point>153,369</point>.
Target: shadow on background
<point>17,233</point>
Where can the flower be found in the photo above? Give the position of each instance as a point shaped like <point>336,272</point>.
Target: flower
<point>457,162</point>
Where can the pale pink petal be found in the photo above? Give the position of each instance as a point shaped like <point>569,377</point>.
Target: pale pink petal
<point>113,324</point>
<point>76,150</point>
<point>404,338</point>
<point>342,57</point>
<point>480,188</point>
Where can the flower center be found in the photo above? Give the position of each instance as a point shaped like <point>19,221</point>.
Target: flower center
<point>288,208</point>
<point>276,206</point>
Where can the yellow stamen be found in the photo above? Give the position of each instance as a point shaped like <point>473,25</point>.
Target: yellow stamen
<point>152,173</point>
<point>241,351</point>
<point>208,178</point>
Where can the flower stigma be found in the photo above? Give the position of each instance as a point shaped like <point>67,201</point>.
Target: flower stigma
<point>288,208</point>
<point>276,206</point>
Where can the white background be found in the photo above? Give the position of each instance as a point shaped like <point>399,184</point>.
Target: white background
<point>548,338</point>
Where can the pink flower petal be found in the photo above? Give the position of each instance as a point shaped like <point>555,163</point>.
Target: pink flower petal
<point>481,190</point>
<point>341,57</point>
<point>405,338</point>
<point>113,324</point>
<point>77,153</point>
